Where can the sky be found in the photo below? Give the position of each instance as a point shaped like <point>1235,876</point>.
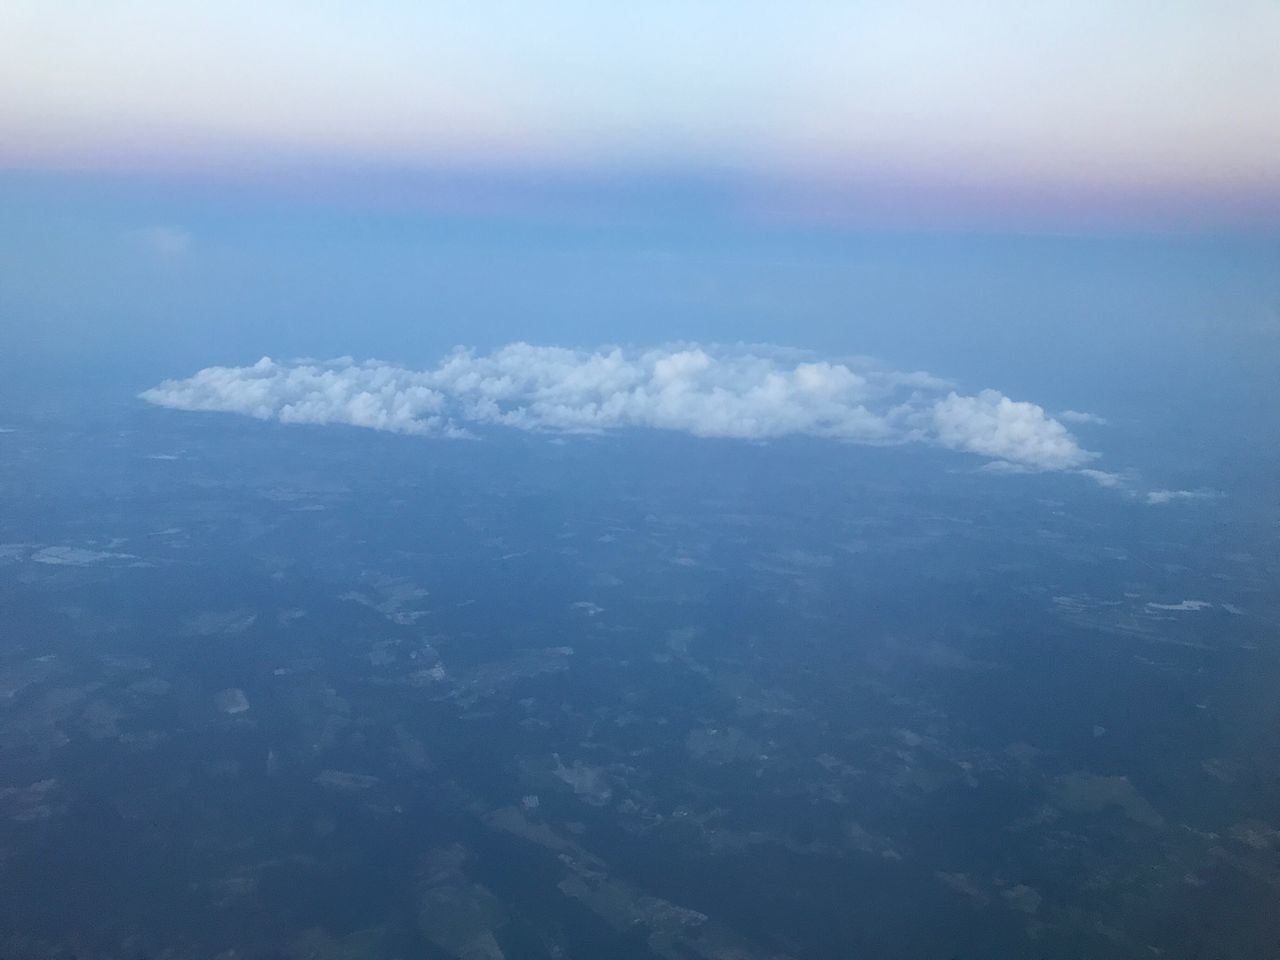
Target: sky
<point>529,215</point>
<point>911,113</point>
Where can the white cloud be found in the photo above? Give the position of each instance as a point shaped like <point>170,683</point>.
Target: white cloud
<point>1104,478</point>
<point>1180,606</point>
<point>992,425</point>
<point>76,556</point>
<point>753,393</point>
<point>1183,605</point>
<point>358,394</point>
<point>1161,497</point>
<point>1077,416</point>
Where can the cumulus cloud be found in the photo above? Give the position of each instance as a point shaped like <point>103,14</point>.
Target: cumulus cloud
<point>750,393</point>
<point>368,394</point>
<point>992,425</point>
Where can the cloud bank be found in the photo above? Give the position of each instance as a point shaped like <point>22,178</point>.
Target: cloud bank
<point>747,393</point>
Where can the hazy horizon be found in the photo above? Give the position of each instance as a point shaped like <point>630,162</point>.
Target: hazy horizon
<point>1048,116</point>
